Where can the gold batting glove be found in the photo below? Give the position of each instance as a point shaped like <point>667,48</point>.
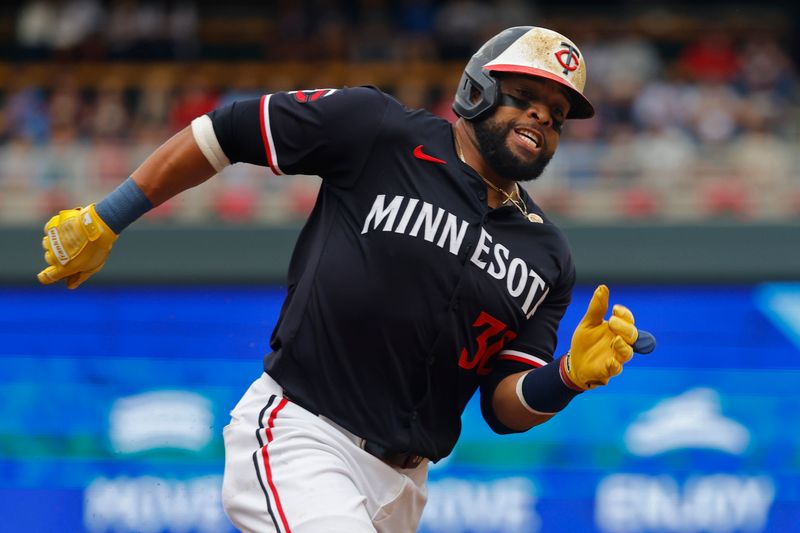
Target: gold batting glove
<point>599,348</point>
<point>76,243</point>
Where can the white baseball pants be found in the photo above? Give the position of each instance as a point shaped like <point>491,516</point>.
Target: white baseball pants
<point>289,471</point>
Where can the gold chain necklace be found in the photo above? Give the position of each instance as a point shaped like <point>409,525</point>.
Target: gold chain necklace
<point>510,197</point>
<point>520,205</point>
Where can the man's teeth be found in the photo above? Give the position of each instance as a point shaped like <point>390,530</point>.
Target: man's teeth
<point>530,137</point>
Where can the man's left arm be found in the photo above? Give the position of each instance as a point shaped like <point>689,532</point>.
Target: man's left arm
<point>509,410</point>
<point>598,350</point>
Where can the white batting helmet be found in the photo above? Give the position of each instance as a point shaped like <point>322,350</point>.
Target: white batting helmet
<point>525,50</point>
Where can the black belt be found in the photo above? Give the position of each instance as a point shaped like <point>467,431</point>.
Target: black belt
<point>398,459</point>
<point>391,457</point>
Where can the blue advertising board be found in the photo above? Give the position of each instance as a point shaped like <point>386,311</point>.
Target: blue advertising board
<point>112,403</point>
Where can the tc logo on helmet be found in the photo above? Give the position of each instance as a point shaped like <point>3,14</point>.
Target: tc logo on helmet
<point>569,58</point>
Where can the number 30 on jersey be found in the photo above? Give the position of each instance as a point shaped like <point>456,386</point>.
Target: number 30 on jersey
<point>493,336</point>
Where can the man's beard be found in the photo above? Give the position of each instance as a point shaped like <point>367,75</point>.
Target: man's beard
<point>491,137</point>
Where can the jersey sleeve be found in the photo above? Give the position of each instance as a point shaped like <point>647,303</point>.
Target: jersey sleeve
<point>536,343</point>
<point>533,348</point>
<point>325,132</point>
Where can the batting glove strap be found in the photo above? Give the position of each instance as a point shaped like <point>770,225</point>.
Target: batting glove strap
<point>544,390</point>
<point>564,371</point>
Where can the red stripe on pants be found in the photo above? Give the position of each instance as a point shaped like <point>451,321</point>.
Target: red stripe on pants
<point>267,468</point>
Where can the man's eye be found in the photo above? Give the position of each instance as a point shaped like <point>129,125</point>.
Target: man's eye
<point>558,125</point>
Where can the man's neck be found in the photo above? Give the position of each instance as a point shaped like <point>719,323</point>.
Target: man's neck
<point>498,189</point>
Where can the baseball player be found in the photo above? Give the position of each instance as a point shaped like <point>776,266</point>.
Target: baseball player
<point>425,272</point>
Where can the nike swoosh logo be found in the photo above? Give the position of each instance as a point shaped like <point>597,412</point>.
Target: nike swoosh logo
<point>419,154</point>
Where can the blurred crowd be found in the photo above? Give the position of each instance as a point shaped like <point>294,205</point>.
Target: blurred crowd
<point>698,116</point>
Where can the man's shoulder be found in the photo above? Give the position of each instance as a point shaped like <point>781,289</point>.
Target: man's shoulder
<point>361,99</point>
<point>367,95</point>
<point>373,101</point>
<point>398,117</point>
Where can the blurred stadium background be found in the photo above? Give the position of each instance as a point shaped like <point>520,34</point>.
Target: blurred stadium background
<point>683,193</point>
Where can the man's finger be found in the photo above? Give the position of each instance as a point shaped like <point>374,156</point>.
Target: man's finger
<point>613,367</point>
<point>48,275</point>
<point>623,312</point>
<point>598,306</point>
<point>52,222</point>
<point>76,279</point>
<point>624,329</point>
<point>622,350</point>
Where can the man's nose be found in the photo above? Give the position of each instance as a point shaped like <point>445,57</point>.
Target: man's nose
<point>539,113</point>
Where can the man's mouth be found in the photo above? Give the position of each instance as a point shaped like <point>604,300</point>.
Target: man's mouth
<point>529,138</point>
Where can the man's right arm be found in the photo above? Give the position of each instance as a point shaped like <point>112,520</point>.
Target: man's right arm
<point>177,165</point>
<point>289,133</point>
<point>77,241</point>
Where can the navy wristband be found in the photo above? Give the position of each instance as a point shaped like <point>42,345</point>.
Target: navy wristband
<point>123,205</point>
<point>543,391</point>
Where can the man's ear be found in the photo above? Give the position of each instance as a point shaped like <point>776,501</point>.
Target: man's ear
<point>474,95</point>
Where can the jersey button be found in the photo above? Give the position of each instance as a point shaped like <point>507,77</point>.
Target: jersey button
<point>431,360</point>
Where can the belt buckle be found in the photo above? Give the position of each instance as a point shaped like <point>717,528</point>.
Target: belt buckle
<point>398,459</point>
<point>412,461</point>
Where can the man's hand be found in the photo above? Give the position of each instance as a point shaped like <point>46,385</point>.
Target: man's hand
<point>599,348</point>
<point>77,243</point>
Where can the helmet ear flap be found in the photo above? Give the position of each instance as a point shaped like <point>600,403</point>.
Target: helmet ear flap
<point>476,78</point>
<point>477,95</point>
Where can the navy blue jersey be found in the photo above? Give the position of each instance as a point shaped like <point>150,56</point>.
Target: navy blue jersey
<point>406,291</point>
